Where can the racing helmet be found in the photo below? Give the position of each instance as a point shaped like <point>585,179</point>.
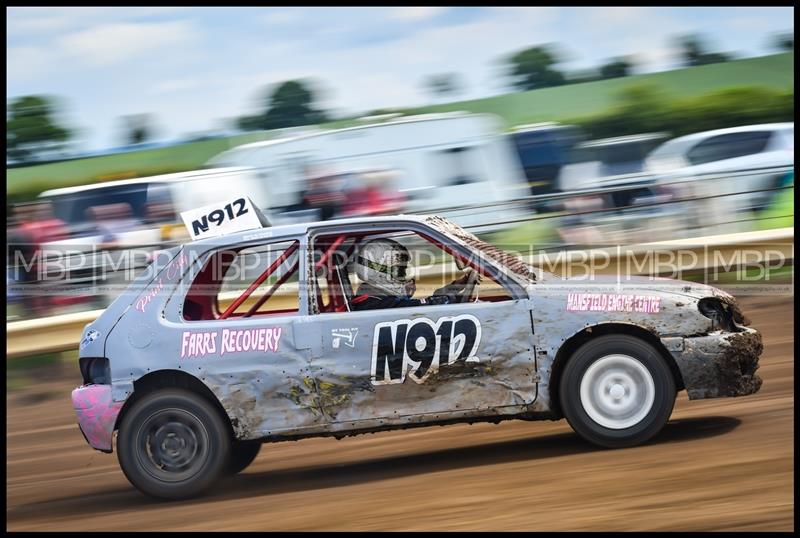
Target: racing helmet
<point>383,263</point>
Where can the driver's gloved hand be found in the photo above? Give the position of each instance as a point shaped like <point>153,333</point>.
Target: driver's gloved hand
<point>449,294</point>
<point>451,290</point>
<point>439,298</point>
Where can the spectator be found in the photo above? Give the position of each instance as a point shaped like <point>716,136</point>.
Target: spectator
<point>323,193</point>
<point>38,226</point>
<point>15,256</point>
<point>375,195</point>
<point>110,221</point>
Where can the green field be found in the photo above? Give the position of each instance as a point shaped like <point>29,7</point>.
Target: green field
<point>580,100</point>
<point>550,104</point>
<point>31,180</point>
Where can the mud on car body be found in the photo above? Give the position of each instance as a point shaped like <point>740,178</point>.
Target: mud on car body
<point>193,383</point>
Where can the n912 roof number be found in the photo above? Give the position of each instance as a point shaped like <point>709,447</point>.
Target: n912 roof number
<point>237,208</point>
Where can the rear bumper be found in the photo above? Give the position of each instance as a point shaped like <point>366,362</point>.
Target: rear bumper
<point>720,364</point>
<point>97,414</point>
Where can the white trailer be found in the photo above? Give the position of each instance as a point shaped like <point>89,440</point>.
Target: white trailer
<point>443,161</point>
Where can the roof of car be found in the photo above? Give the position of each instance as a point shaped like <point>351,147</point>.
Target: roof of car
<point>301,228</point>
<point>643,137</point>
<point>545,125</point>
<point>163,178</point>
<point>739,129</point>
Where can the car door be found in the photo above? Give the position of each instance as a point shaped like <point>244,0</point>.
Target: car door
<point>424,363</point>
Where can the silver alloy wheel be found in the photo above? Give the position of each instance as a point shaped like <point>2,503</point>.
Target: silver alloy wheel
<point>617,391</point>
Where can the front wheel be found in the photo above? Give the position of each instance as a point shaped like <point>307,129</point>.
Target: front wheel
<point>173,444</point>
<point>617,391</point>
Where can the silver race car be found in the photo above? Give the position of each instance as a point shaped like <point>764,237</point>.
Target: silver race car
<point>323,329</point>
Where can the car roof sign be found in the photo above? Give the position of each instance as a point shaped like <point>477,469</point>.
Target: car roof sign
<point>225,217</point>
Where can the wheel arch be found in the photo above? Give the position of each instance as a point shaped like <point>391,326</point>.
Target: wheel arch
<point>161,379</point>
<point>571,345</point>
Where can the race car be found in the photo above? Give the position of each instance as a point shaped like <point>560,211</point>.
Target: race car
<point>282,333</point>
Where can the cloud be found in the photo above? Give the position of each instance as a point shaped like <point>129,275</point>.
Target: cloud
<point>25,62</point>
<point>369,91</point>
<point>617,16</point>
<point>282,16</point>
<point>174,85</point>
<point>462,48</point>
<point>44,23</point>
<point>755,24</point>
<point>116,43</point>
<point>22,27</point>
<point>102,46</point>
<point>415,13</point>
<point>643,33</point>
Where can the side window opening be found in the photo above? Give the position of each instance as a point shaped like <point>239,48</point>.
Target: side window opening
<point>159,207</point>
<point>708,151</point>
<point>246,282</point>
<point>336,284</point>
<point>729,146</point>
<point>462,165</point>
<point>752,143</point>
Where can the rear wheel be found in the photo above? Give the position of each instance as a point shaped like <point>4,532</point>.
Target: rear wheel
<point>173,444</point>
<point>243,453</point>
<point>617,391</point>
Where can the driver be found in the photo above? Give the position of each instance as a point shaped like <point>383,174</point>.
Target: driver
<point>382,265</point>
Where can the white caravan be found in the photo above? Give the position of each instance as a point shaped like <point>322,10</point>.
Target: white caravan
<point>442,161</point>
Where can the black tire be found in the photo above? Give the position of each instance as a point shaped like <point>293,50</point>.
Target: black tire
<point>173,444</point>
<point>242,455</point>
<point>611,410</point>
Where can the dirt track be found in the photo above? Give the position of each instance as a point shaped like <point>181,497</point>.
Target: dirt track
<point>718,465</point>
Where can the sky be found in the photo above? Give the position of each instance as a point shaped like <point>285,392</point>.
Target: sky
<point>195,69</point>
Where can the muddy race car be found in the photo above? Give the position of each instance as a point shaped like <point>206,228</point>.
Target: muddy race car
<point>257,336</point>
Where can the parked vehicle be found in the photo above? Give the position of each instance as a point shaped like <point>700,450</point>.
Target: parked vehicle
<point>611,162</point>
<point>544,149</point>
<point>193,388</point>
<point>713,163</point>
<point>441,161</point>
<point>558,159</point>
<point>608,175</point>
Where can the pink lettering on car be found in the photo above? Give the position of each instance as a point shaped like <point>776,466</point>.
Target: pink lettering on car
<point>613,302</point>
<point>175,265</point>
<point>198,344</point>
<point>171,272</point>
<point>227,341</point>
<point>149,295</point>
